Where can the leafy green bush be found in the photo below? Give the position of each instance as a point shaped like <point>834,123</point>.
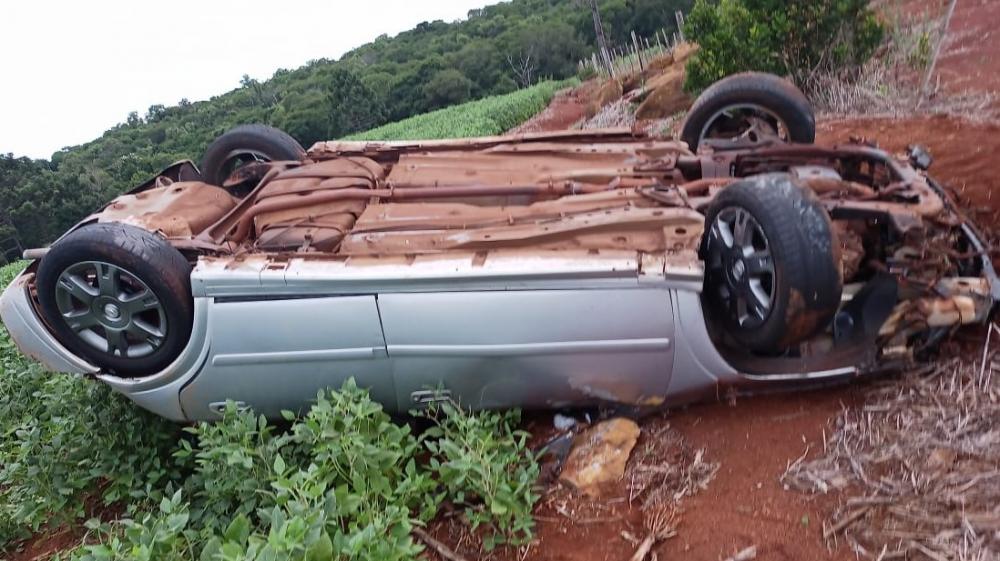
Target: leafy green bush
<point>480,461</point>
<point>63,440</point>
<point>485,117</point>
<point>343,482</point>
<point>795,39</point>
<point>233,460</point>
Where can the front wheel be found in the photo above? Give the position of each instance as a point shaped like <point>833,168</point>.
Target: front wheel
<point>772,278</point>
<point>118,296</point>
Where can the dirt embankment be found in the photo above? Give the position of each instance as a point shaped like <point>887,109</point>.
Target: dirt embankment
<point>969,58</point>
<point>754,440</point>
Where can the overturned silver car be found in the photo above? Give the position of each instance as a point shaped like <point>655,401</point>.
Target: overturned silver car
<point>581,268</point>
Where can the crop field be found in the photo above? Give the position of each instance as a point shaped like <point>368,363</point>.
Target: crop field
<point>343,481</point>
<point>484,117</point>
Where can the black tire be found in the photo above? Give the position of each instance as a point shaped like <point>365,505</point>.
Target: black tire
<point>775,95</point>
<point>144,256</point>
<point>805,283</point>
<point>255,141</point>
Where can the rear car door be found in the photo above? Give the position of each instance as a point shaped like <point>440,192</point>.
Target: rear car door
<point>530,348</point>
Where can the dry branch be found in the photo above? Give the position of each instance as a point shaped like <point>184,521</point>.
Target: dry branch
<point>922,460</point>
<point>441,548</point>
<point>744,555</point>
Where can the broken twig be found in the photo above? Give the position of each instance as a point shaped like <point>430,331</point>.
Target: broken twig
<point>443,550</point>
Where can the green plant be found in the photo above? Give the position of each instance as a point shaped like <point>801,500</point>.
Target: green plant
<point>489,116</point>
<point>64,440</point>
<point>233,460</point>
<point>160,535</point>
<point>920,53</point>
<point>480,460</point>
<point>342,482</point>
<point>795,39</point>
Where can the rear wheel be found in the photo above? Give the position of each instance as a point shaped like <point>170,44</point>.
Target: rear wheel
<point>771,273</point>
<point>247,144</point>
<point>749,108</point>
<point>118,296</point>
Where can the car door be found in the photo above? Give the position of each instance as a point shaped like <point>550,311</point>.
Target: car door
<point>274,355</point>
<point>530,348</point>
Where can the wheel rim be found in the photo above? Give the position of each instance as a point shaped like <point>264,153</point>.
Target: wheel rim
<point>744,122</point>
<point>111,310</point>
<point>741,270</point>
<point>239,158</point>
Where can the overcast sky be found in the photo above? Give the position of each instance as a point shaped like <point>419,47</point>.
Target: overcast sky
<point>73,69</point>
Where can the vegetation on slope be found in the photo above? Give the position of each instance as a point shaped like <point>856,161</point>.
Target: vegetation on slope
<point>485,117</point>
<point>432,66</point>
<point>794,39</point>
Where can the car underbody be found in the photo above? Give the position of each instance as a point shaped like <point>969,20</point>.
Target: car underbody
<point>608,193</point>
<point>553,211</point>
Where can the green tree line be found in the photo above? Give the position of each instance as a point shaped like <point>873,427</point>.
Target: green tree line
<point>434,65</point>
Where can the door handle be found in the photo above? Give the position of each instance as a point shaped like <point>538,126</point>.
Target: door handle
<point>219,407</point>
<point>426,397</point>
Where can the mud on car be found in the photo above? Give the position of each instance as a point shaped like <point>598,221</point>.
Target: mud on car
<point>579,268</point>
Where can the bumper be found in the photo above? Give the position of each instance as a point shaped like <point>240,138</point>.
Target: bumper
<point>31,336</point>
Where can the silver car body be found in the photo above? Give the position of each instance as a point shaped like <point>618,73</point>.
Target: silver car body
<point>535,333</point>
<point>536,328</point>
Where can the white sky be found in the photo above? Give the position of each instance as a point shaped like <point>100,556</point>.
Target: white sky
<point>74,68</point>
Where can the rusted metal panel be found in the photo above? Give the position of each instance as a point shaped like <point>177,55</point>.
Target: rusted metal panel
<point>355,206</point>
<point>175,210</point>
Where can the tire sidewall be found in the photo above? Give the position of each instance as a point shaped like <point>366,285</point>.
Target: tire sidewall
<point>275,144</point>
<point>161,267</point>
<point>807,279</point>
<point>770,92</point>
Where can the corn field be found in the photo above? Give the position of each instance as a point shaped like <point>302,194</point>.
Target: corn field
<point>484,117</point>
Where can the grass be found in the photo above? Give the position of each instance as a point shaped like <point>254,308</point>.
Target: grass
<point>485,117</point>
<point>342,482</point>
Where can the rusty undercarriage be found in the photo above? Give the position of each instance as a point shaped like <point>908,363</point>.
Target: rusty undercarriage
<point>538,270</point>
<point>599,192</point>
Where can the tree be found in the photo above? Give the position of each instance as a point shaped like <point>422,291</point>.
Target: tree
<point>447,87</point>
<point>523,67</point>
<point>795,39</point>
<point>549,49</point>
<point>482,63</point>
<point>338,103</point>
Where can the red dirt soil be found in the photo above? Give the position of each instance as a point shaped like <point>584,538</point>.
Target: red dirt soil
<point>566,109</point>
<point>755,439</point>
<point>746,505</point>
<point>969,56</point>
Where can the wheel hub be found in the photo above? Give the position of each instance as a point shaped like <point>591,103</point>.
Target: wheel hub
<point>738,269</point>
<point>111,309</point>
<point>112,312</point>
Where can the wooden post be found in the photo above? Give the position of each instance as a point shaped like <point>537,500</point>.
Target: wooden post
<point>638,55</point>
<point>679,16</point>
<point>937,53</point>
<point>602,42</point>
